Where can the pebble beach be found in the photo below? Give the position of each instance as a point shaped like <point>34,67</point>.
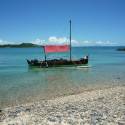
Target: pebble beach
<point>62,62</point>
<point>105,106</point>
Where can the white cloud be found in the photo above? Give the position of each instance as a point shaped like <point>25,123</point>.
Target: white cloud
<point>53,40</point>
<point>105,43</point>
<point>2,42</point>
<point>61,40</point>
<point>97,43</point>
<point>57,40</point>
<point>38,42</point>
<point>86,42</point>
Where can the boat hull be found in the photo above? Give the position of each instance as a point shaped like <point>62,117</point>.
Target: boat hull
<point>57,63</point>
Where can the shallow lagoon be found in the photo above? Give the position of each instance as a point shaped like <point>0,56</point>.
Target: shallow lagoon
<point>20,84</point>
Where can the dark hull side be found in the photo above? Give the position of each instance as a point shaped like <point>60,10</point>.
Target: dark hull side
<point>57,63</point>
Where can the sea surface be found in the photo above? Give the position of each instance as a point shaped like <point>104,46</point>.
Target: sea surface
<point>22,84</point>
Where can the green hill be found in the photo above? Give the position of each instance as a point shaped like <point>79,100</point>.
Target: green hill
<point>22,45</point>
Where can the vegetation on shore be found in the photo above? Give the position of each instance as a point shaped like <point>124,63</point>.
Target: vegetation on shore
<point>22,45</point>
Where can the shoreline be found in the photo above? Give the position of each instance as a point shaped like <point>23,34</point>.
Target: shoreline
<point>63,93</point>
<point>101,106</point>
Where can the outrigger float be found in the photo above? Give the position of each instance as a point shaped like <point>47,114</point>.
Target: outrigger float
<point>58,62</point>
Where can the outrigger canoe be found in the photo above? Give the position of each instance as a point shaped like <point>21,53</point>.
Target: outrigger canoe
<point>58,62</point>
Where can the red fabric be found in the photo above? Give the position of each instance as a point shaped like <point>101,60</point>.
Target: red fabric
<point>56,48</point>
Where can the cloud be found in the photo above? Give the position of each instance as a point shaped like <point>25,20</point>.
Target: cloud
<point>53,40</point>
<point>38,42</point>
<point>97,43</point>
<point>105,43</point>
<point>58,40</point>
<point>2,42</point>
<point>61,40</point>
<point>64,40</point>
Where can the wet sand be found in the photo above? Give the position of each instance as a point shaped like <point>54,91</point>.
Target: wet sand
<point>104,106</point>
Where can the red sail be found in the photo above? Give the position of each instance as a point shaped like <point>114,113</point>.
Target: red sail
<point>56,48</point>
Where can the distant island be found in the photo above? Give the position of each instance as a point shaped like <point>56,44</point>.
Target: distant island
<point>121,49</point>
<point>22,45</point>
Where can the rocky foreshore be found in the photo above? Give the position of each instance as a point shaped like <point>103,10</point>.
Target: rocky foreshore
<point>97,107</point>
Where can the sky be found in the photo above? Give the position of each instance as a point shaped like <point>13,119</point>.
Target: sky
<point>94,22</point>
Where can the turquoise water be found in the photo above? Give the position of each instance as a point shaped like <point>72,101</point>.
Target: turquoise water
<point>20,84</point>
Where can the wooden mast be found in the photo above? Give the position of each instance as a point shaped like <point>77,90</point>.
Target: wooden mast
<point>44,53</point>
<point>70,42</point>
